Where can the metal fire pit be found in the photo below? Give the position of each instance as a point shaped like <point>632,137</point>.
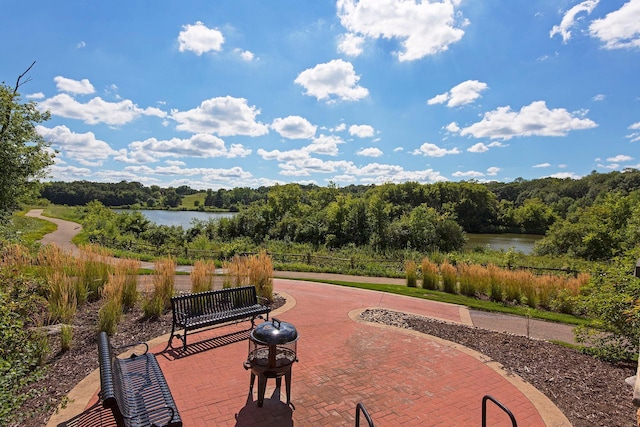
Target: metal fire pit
<point>272,351</point>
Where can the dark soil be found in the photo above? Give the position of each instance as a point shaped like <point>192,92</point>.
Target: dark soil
<point>588,391</point>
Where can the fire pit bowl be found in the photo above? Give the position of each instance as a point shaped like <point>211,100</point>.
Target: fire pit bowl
<point>272,351</point>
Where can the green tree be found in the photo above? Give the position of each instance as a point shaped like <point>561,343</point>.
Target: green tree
<point>24,154</point>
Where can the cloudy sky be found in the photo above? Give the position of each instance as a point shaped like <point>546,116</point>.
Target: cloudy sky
<point>227,93</point>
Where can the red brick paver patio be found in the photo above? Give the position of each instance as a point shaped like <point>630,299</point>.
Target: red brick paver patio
<point>402,377</point>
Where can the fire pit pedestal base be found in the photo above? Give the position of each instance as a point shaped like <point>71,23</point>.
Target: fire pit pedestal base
<point>262,383</point>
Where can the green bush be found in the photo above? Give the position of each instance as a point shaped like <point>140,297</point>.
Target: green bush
<point>22,349</point>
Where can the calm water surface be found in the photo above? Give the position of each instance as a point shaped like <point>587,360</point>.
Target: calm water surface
<point>519,242</point>
<point>182,218</point>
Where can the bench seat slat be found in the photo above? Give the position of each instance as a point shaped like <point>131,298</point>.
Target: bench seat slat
<point>136,387</point>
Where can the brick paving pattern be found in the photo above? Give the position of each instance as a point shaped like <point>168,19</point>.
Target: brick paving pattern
<point>402,378</point>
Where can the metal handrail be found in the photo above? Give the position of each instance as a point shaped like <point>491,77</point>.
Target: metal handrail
<point>361,409</point>
<point>499,405</point>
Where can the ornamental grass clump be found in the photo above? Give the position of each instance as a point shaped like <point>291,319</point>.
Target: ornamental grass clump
<point>411,273</point>
<point>66,337</point>
<point>261,275</point>
<point>163,280</point>
<point>110,313</point>
<point>61,295</point>
<point>429,274</point>
<point>449,277</point>
<point>236,272</point>
<point>128,270</point>
<point>471,278</point>
<point>15,255</point>
<point>202,276</point>
<point>496,285</point>
<point>93,269</point>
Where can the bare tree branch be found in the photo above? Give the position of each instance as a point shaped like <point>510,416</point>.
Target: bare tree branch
<point>7,116</point>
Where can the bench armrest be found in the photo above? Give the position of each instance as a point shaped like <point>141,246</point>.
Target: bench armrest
<point>266,300</point>
<point>134,344</point>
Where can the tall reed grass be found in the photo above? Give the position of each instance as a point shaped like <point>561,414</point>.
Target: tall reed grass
<point>411,273</point>
<point>93,269</point>
<point>202,276</point>
<point>449,277</point>
<point>163,280</point>
<point>429,274</point>
<point>128,270</point>
<point>15,255</point>
<point>61,297</point>
<point>256,270</point>
<point>110,313</point>
<point>261,275</point>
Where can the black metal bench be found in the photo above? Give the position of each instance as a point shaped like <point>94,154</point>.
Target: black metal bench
<point>135,387</point>
<point>204,309</point>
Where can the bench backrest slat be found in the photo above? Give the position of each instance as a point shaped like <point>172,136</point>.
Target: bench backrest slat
<point>216,301</point>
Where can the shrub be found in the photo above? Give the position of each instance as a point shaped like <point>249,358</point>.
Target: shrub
<point>429,274</point>
<point>411,271</point>
<point>449,277</point>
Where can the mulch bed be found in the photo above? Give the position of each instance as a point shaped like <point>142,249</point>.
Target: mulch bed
<point>588,391</point>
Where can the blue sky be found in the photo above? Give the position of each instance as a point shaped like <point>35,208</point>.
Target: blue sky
<point>228,93</point>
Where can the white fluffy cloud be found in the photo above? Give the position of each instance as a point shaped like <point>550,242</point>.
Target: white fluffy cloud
<point>80,87</point>
<point>467,174</point>
<point>423,27</point>
<point>361,131</point>
<point>333,80</point>
<point>478,148</point>
<point>97,110</point>
<point>350,44</point>
<point>532,120</point>
<point>431,150</point>
<point>620,158</point>
<point>200,39</point>
<point>542,165</point>
<point>493,171</point>
<point>570,17</point>
<point>619,29</point>
<point>199,145</point>
<point>462,94</point>
<point>223,116</point>
<point>82,147</point>
<point>294,127</point>
<point>370,152</point>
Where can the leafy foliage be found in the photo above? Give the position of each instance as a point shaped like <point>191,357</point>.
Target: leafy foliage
<point>612,298</point>
<point>23,152</point>
<point>22,349</point>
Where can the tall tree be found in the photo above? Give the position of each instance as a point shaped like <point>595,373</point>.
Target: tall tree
<point>24,154</point>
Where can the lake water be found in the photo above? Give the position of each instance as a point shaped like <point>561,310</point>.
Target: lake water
<point>519,242</point>
<point>179,218</point>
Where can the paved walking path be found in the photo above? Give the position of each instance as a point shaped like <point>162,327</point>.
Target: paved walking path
<point>402,377</point>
